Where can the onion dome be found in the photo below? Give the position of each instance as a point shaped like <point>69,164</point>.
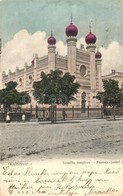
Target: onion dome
<point>90,38</point>
<point>51,40</point>
<point>98,55</point>
<point>71,30</point>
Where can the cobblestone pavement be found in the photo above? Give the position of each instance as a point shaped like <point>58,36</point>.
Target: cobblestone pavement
<point>91,139</point>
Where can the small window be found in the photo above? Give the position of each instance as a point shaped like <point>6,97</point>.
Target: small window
<point>20,80</point>
<point>30,77</point>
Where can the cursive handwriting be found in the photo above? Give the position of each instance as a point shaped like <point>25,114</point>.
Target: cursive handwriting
<point>108,191</point>
<point>40,180</point>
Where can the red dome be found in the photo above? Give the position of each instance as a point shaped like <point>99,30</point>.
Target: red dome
<point>90,38</point>
<point>71,30</point>
<point>98,55</point>
<point>51,40</point>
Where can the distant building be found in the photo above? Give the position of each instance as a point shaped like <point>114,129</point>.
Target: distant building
<point>84,64</point>
<point>115,75</point>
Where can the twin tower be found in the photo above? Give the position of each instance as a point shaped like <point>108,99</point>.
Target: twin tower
<point>91,58</point>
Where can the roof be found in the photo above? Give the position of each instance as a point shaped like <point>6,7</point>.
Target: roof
<point>113,74</point>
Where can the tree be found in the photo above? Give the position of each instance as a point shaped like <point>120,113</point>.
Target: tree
<point>24,98</point>
<point>112,95</point>
<point>9,96</point>
<point>55,88</point>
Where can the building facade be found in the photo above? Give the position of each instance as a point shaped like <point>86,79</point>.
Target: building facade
<point>84,64</point>
<point>115,75</point>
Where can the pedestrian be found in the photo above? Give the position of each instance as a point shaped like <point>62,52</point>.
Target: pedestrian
<point>23,117</point>
<point>8,118</point>
<point>64,114</point>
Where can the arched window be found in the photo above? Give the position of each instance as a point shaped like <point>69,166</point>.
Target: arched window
<point>30,79</point>
<point>20,81</point>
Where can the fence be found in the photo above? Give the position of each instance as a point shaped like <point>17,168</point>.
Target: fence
<point>14,116</point>
<point>64,113</point>
<point>55,114</point>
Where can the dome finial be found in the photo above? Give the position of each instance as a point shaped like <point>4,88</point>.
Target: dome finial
<point>71,19</point>
<point>90,26</point>
<point>51,33</point>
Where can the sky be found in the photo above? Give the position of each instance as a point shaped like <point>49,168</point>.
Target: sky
<point>25,26</point>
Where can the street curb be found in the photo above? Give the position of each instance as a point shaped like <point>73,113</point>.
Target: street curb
<point>50,123</point>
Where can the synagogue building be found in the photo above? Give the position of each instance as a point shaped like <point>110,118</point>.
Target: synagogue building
<point>83,63</point>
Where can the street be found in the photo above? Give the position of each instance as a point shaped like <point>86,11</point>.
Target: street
<point>77,139</point>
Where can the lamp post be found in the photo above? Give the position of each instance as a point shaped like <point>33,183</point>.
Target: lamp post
<point>36,111</point>
<point>60,97</point>
<point>53,113</point>
<point>43,102</point>
<point>102,106</point>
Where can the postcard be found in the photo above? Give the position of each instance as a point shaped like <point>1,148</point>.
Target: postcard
<point>61,98</point>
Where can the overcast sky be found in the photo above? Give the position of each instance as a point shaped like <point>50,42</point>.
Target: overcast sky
<point>26,25</point>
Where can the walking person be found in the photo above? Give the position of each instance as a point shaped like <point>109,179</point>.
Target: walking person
<point>23,117</point>
<point>8,118</point>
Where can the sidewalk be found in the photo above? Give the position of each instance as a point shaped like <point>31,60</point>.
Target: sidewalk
<point>49,122</point>
<point>62,121</point>
<point>117,118</point>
